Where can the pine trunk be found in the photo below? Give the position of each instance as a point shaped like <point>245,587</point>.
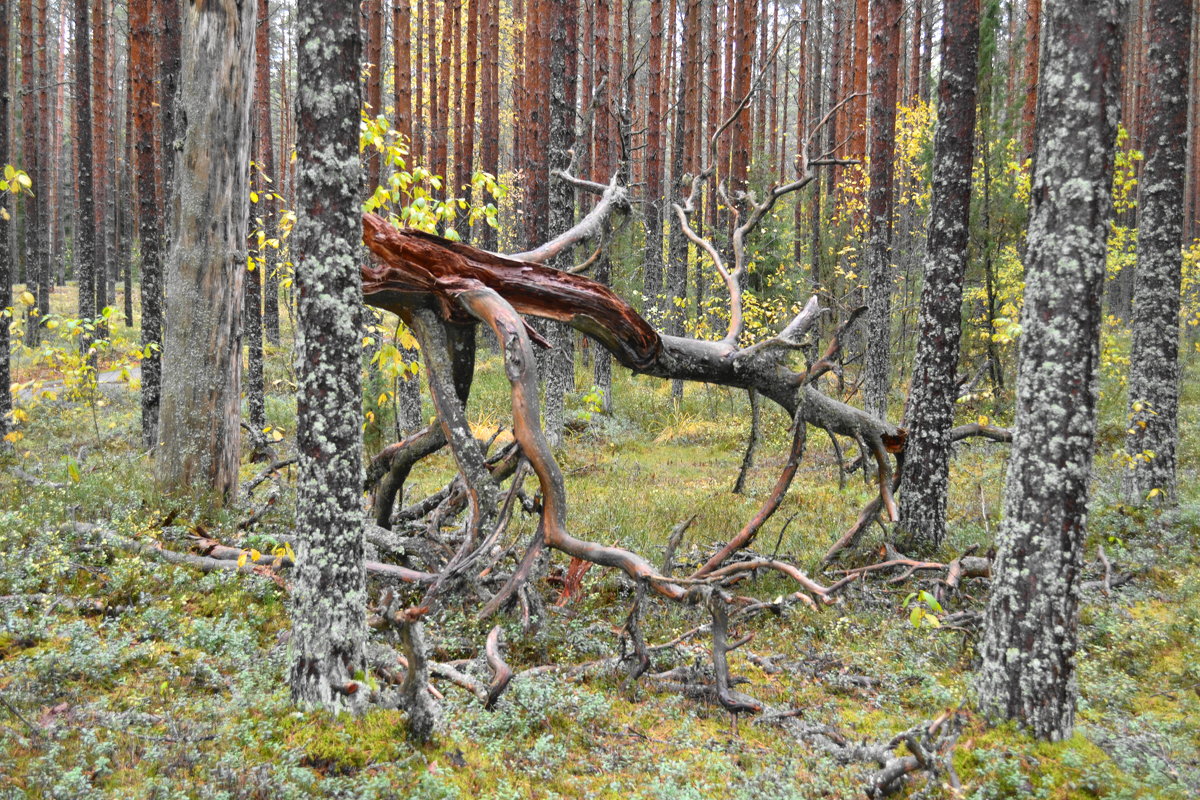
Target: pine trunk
<point>652,277</point>
<point>31,147</point>
<point>266,156</point>
<point>402,67</point>
<point>141,45</point>
<point>885,61</point>
<point>1154,359</point>
<point>200,409</point>
<point>5,224</point>
<point>85,227</point>
<point>1033,29</point>
<point>930,412</point>
<point>564,40</point>
<point>329,595</point>
<point>1030,638</point>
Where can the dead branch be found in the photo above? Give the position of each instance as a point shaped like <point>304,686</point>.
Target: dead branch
<point>501,673</point>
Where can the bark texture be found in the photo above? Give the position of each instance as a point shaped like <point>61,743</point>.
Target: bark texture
<point>85,231</point>
<point>5,268</point>
<point>1154,359</point>
<point>885,62</point>
<point>199,434</point>
<point>141,44</point>
<point>930,412</point>
<point>329,599</point>
<point>1028,649</point>
<point>564,41</point>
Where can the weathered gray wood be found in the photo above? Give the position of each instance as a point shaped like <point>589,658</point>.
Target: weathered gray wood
<point>198,432</point>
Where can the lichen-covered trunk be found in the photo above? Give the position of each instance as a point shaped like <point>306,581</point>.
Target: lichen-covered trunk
<point>564,39</point>
<point>1028,648</point>
<point>199,436</point>
<point>329,598</point>
<point>5,261</point>
<point>1154,359</point>
<point>885,61</point>
<point>266,156</point>
<point>101,184</point>
<point>85,226</point>
<point>930,412</point>
<point>141,45</point>
<point>30,147</point>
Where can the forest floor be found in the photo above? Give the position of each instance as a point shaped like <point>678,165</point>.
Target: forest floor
<point>125,677</point>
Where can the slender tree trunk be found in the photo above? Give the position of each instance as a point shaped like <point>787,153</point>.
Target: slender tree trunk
<point>85,237</point>
<point>431,51</point>
<point>200,409</point>
<point>417,151</point>
<point>441,127</point>
<point>1033,29</point>
<point>652,275</point>
<point>30,149</point>
<point>266,157</point>
<point>930,411</point>
<point>141,45</point>
<point>1030,638</point>
<point>43,169</point>
<point>329,596</point>
<point>564,40</point>
<point>1154,359</point>
<point>467,151</point>
<point>402,67</point>
<point>373,9</point>
<point>5,227</point>
<point>885,61</point>
<point>100,125</point>
<point>490,141</point>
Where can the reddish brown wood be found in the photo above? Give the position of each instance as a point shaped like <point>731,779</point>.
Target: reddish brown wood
<point>1033,27</point>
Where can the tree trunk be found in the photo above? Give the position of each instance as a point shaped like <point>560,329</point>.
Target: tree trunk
<point>934,388</point>
<point>402,67</point>
<point>100,125</point>
<point>564,41</point>
<point>43,169</point>
<point>1154,358</point>
<point>200,409</point>
<point>652,275</point>
<point>1033,30</point>
<point>441,125</point>
<point>374,13</point>
<point>30,150</point>
<point>141,47</point>
<point>467,150</point>
<point>266,156</point>
<point>1028,648</point>
<point>417,151</point>
<point>85,236</point>
<point>329,598</point>
<point>885,60</point>
<point>490,141</point>
<point>5,226</point>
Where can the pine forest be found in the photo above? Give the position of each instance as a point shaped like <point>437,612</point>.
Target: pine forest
<point>766,399</point>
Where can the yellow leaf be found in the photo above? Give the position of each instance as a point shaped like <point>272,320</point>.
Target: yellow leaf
<point>253,197</point>
<point>254,554</point>
<point>27,299</point>
<point>1153,494</point>
<point>242,559</point>
<point>983,419</point>
<point>13,436</point>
